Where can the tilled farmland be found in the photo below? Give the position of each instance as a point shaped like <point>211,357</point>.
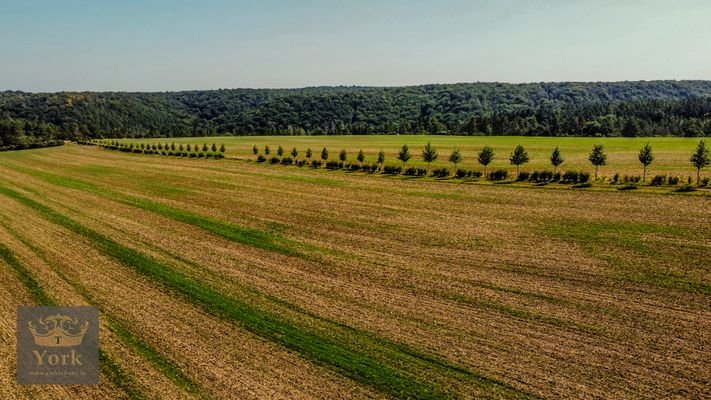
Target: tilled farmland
<point>221,279</point>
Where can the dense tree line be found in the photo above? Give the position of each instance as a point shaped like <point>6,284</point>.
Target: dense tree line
<point>18,134</point>
<point>679,108</point>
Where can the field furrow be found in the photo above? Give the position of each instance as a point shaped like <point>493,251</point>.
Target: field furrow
<point>321,284</point>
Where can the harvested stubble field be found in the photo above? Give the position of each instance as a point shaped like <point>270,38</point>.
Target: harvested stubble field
<point>672,153</point>
<point>231,279</point>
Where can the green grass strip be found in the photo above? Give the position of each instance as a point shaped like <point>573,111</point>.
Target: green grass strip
<point>161,363</point>
<point>36,292</point>
<point>40,297</point>
<point>350,363</point>
<point>244,235</point>
<point>119,377</point>
<point>410,351</point>
<point>638,260</point>
<point>400,349</point>
<point>164,365</point>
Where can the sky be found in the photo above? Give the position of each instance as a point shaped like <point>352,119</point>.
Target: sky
<point>165,45</point>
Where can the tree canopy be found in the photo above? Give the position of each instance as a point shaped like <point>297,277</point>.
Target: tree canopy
<point>485,157</point>
<point>679,108</point>
<point>700,159</point>
<point>518,157</point>
<point>556,158</point>
<point>429,154</point>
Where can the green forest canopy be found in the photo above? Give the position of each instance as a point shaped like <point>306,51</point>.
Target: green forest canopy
<point>642,108</point>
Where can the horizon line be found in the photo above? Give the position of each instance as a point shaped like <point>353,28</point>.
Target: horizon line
<point>285,88</point>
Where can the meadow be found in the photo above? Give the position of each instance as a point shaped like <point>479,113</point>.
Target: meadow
<point>671,153</point>
<point>235,279</point>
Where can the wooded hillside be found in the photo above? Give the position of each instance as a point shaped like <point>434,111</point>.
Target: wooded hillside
<point>680,108</point>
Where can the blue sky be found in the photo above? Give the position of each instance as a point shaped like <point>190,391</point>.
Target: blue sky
<point>156,45</point>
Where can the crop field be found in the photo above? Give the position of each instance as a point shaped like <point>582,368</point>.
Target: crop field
<point>220,279</point>
<point>671,153</point>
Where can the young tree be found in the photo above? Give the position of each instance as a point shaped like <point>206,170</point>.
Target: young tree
<point>381,158</point>
<point>294,152</point>
<point>189,147</point>
<point>429,154</point>
<point>360,157</point>
<point>343,156</point>
<point>267,150</point>
<point>485,157</point>
<point>172,146</point>
<point>180,147</point>
<point>280,151</point>
<point>518,157</point>
<point>204,147</point>
<point>324,154</point>
<point>222,148</point>
<point>214,147</point>
<point>455,158</point>
<point>309,153</point>
<point>404,154</point>
<point>556,159</point>
<point>700,159</point>
<point>255,150</point>
<point>645,157</point>
<point>597,157</point>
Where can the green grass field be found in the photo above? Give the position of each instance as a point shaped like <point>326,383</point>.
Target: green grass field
<point>672,153</point>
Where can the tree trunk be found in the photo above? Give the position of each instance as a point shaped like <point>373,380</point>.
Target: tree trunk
<point>596,172</point>
<point>698,176</point>
<point>644,174</point>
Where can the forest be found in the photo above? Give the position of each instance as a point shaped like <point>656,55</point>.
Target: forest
<point>641,108</point>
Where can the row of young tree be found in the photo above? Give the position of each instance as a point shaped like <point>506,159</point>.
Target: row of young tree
<point>164,149</point>
<point>597,157</point>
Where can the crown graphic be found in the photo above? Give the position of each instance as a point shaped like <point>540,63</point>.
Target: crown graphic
<point>58,331</point>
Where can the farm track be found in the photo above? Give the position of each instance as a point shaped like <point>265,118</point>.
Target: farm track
<point>487,288</point>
